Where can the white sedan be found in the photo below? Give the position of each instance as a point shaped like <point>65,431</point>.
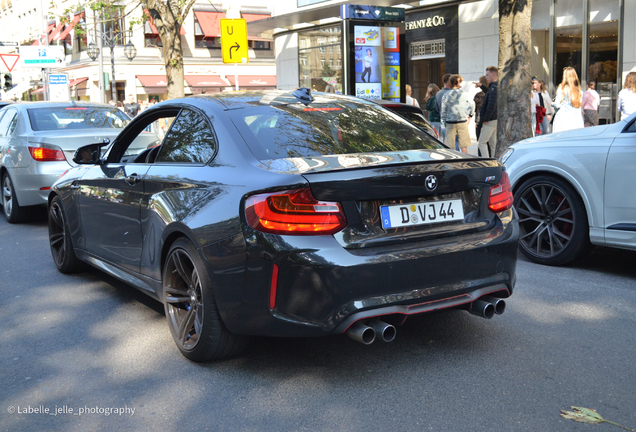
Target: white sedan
<point>575,189</point>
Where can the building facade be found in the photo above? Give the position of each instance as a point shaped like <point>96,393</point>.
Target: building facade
<point>144,76</point>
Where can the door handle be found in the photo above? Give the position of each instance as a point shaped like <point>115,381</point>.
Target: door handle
<point>133,179</point>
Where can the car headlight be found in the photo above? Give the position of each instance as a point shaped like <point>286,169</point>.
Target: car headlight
<point>504,157</point>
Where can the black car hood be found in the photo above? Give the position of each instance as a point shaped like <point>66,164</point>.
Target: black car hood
<point>317,164</point>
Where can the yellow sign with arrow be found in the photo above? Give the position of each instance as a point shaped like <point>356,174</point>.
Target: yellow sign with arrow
<point>234,40</point>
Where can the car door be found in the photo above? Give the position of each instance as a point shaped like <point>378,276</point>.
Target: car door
<point>177,185</point>
<point>110,195</point>
<point>620,199</point>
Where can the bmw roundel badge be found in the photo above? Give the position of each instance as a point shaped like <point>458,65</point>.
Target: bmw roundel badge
<point>431,183</point>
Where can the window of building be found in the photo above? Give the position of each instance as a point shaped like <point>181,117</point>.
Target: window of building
<point>203,41</point>
<point>314,70</point>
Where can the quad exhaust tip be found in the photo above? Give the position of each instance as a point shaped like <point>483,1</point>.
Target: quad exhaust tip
<point>366,334</point>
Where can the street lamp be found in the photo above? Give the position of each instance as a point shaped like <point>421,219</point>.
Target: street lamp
<point>111,38</point>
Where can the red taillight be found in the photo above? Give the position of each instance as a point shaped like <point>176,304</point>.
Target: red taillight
<point>294,212</point>
<point>42,154</point>
<point>501,195</point>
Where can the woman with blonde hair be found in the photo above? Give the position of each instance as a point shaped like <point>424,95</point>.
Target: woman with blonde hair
<point>626,102</point>
<point>568,103</point>
<point>431,106</point>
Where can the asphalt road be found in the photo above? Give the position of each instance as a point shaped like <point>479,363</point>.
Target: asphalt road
<point>90,344</point>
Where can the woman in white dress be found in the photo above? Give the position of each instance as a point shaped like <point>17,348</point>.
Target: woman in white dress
<point>568,102</point>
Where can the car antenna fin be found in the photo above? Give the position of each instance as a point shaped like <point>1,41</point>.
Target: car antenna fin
<point>303,94</point>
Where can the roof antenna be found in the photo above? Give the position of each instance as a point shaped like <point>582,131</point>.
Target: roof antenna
<point>303,94</point>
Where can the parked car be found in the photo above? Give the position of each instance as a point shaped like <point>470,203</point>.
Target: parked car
<point>412,113</point>
<point>572,190</point>
<point>288,214</point>
<point>38,141</point>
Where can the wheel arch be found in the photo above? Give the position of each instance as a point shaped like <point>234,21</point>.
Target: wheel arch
<point>562,175</point>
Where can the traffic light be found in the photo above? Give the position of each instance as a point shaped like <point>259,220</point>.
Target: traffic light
<point>8,81</point>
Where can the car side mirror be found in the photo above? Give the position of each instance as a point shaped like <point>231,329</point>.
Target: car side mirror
<point>88,154</point>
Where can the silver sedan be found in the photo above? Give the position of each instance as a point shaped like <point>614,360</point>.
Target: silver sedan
<point>575,189</point>
<point>38,142</point>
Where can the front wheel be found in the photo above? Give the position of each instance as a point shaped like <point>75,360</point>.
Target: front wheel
<point>192,313</point>
<point>60,240</point>
<point>553,222</point>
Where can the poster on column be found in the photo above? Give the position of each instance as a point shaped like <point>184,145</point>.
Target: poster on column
<point>368,62</point>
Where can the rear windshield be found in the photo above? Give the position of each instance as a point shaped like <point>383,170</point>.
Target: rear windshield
<point>75,117</point>
<point>282,131</point>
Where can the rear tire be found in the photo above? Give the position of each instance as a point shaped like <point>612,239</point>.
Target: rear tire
<point>12,210</point>
<point>60,240</point>
<point>193,316</point>
<point>552,220</point>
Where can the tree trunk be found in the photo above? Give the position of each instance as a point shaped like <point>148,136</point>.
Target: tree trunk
<point>515,67</point>
<point>167,17</point>
<point>172,54</point>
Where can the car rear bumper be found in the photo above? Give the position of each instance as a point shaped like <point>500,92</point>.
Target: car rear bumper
<point>322,288</point>
<point>32,184</point>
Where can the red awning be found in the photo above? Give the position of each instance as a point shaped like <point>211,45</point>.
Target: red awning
<point>69,27</point>
<point>55,31</point>
<point>154,29</point>
<point>253,81</point>
<point>254,17</point>
<point>205,81</point>
<point>40,90</point>
<point>48,30</point>
<point>77,81</point>
<point>210,22</point>
<point>153,80</point>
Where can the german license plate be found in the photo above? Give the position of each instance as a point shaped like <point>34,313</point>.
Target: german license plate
<point>424,213</point>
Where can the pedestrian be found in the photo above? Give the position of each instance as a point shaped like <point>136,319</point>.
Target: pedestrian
<point>626,102</point>
<point>541,107</point>
<point>488,115</point>
<point>409,98</point>
<point>112,102</point>
<point>330,88</point>
<point>131,107</point>
<point>590,102</point>
<point>457,110</point>
<point>568,103</point>
<point>482,85</point>
<point>368,63</point>
<point>431,106</point>
<point>438,100</point>
<point>120,105</point>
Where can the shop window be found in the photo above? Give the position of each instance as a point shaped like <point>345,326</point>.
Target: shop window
<point>603,39</point>
<point>259,45</point>
<point>315,71</point>
<point>569,37</point>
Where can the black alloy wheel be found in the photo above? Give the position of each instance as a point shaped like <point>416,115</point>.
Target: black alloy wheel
<point>553,222</point>
<point>12,210</point>
<point>193,317</point>
<point>59,238</point>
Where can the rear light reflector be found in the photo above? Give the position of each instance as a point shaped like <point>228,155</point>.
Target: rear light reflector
<point>294,212</point>
<point>46,188</point>
<point>272,288</point>
<point>501,195</point>
<point>43,154</point>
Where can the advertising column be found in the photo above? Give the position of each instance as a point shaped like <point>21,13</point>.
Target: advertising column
<point>374,38</point>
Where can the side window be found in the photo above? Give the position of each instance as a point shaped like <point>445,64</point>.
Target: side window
<point>145,138</point>
<point>8,123</point>
<point>189,140</point>
<point>632,127</point>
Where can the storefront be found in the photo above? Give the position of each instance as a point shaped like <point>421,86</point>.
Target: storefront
<point>593,36</point>
<point>432,47</point>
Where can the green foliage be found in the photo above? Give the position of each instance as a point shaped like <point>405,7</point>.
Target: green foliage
<point>587,415</point>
